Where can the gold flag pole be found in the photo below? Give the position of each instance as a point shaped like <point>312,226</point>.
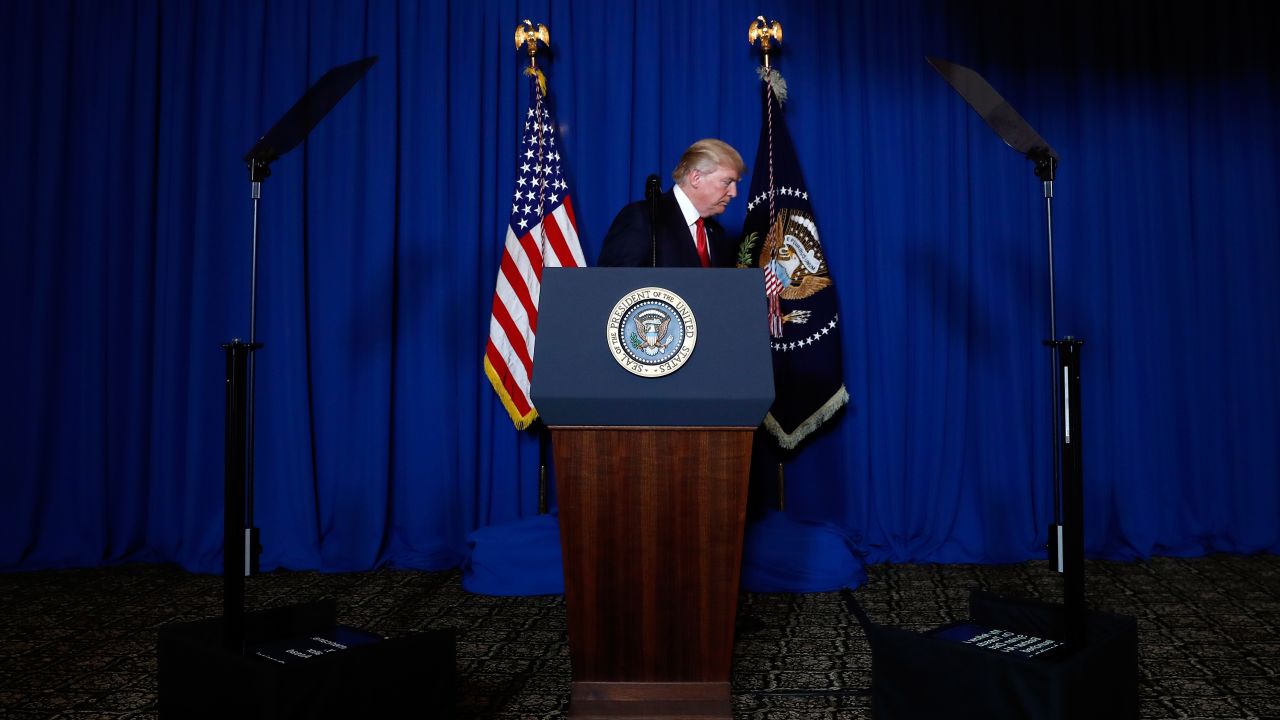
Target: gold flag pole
<point>767,34</point>
<point>529,35</point>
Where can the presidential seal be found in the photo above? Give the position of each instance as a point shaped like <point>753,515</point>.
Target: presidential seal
<point>651,332</point>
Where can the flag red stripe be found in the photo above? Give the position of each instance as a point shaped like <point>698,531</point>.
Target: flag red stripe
<point>558,245</point>
<point>514,337</point>
<point>520,289</point>
<point>570,232</point>
<point>508,382</point>
<point>568,208</point>
<point>533,250</point>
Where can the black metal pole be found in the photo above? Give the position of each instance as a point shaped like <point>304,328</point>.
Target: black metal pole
<point>653,186</point>
<point>1068,351</point>
<point>543,442</point>
<point>256,196</point>
<point>259,170</point>
<point>1046,169</point>
<point>233,498</point>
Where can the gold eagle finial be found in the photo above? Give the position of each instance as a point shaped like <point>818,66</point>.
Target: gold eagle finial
<point>529,35</point>
<point>766,32</point>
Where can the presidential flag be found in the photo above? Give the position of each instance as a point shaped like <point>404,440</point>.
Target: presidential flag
<point>780,235</point>
<point>542,233</point>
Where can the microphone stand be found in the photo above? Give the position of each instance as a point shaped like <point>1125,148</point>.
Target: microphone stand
<point>652,186</point>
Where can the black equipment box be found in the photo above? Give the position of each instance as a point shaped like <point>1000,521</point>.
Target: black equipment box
<point>364,676</point>
<point>936,674</point>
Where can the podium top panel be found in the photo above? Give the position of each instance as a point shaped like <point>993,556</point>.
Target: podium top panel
<point>585,320</point>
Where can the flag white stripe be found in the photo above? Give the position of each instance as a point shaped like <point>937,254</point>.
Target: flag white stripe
<point>524,262</point>
<point>515,367</point>
<point>570,233</point>
<point>515,308</point>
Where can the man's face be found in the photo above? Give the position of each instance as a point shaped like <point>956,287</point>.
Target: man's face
<point>711,192</point>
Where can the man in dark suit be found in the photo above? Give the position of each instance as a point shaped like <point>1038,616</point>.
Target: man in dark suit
<point>687,235</point>
<point>706,180</point>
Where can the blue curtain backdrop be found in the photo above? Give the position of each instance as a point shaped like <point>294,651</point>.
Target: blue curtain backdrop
<point>126,263</point>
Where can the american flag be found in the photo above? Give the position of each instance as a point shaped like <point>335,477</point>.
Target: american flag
<point>542,232</point>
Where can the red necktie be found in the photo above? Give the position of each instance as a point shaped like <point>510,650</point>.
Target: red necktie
<point>702,245</point>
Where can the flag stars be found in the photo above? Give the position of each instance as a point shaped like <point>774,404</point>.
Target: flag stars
<point>540,184</point>
<point>810,340</point>
<point>785,190</point>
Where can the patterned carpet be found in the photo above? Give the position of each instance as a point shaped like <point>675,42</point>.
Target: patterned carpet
<point>81,643</point>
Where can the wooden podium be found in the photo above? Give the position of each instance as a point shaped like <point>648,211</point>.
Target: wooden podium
<point>651,479</point>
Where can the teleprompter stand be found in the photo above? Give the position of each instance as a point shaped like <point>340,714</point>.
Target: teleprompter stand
<point>1017,658</point>
<point>295,661</point>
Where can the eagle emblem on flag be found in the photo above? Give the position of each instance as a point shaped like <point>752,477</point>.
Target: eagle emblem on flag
<point>793,253</point>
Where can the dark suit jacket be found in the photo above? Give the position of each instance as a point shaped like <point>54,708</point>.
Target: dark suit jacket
<point>627,243</point>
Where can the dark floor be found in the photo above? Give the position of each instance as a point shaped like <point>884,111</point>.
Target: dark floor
<point>81,643</point>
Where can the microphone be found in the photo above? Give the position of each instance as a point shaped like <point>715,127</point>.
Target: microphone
<point>653,186</point>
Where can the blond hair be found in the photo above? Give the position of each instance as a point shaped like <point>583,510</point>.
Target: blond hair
<point>705,156</point>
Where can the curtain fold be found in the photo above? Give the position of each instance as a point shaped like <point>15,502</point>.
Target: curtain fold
<point>126,259</point>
